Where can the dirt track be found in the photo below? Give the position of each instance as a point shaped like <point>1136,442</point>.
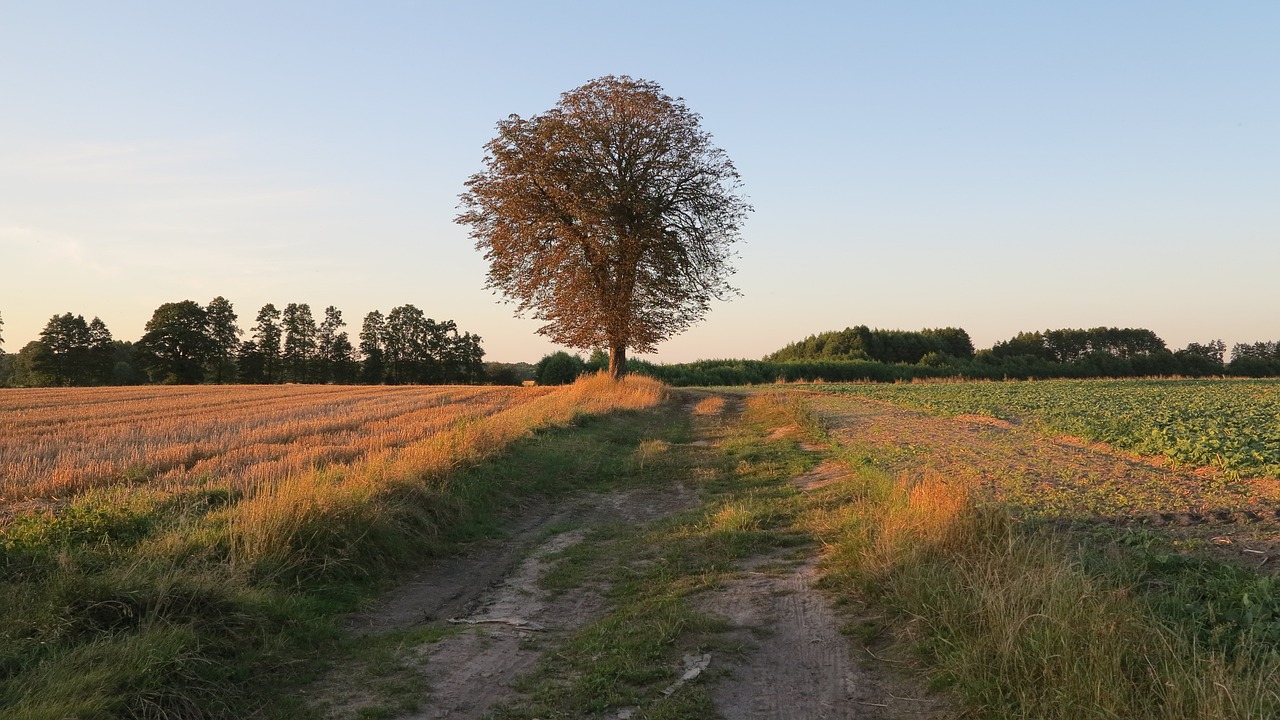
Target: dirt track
<point>493,592</point>
<point>792,662</point>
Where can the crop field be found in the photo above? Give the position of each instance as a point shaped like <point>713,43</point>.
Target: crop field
<point>59,442</point>
<point>1197,461</point>
<point>163,547</point>
<point>1233,425</point>
<point>1065,549</point>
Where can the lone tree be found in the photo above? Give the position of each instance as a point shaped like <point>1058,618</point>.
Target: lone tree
<point>610,216</point>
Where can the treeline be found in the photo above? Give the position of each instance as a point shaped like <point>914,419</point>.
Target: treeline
<point>863,355</point>
<point>187,343</point>
<point>886,346</point>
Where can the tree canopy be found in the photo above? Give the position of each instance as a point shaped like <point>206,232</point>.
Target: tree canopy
<point>177,345</point>
<point>864,343</point>
<point>611,216</point>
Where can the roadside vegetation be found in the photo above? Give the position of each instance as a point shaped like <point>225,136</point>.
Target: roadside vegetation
<point>203,597</point>
<point>1010,616</point>
<point>1026,619</point>
<point>175,596</point>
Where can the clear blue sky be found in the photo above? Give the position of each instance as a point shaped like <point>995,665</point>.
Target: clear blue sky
<point>995,166</point>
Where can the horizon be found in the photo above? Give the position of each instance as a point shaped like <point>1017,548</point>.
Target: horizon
<point>998,169</point>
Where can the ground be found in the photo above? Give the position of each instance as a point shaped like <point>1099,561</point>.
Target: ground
<point>472,630</point>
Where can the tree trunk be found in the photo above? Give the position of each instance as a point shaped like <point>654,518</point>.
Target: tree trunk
<point>617,361</point>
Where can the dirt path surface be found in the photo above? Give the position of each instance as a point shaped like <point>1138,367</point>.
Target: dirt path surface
<point>492,592</point>
<point>791,660</point>
<point>797,664</point>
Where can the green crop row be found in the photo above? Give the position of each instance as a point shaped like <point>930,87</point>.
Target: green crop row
<point>1229,424</point>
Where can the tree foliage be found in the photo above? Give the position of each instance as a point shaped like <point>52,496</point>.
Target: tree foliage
<point>558,368</point>
<point>260,356</point>
<point>407,347</point>
<point>300,345</point>
<point>334,361</point>
<point>1258,359</point>
<point>611,216</point>
<point>224,336</point>
<point>177,346</point>
<point>1070,345</point>
<point>891,346</point>
<point>71,352</point>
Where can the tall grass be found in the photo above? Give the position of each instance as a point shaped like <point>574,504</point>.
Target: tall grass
<point>178,601</point>
<point>404,490</point>
<point>1011,618</point>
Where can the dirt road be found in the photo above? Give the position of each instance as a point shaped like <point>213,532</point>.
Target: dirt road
<point>779,654</point>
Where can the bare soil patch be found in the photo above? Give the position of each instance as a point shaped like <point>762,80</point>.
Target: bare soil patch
<point>492,593</point>
<point>1064,479</point>
<point>795,663</point>
<point>825,473</point>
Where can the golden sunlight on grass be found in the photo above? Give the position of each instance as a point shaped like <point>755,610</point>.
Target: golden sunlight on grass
<point>58,442</point>
<point>709,406</point>
<point>306,460</point>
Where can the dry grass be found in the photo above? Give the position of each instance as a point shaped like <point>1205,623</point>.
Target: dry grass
<point>59,442</point>
<point>258,514</point>
<point>1010,617</point>
<point>713,405</point>
<point>291,512</point>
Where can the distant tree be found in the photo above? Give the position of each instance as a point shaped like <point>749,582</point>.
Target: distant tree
<point>558,368</point>
<point>1199,360</point>
<point>1067,345</point>
<point>224,335</point>
<point>889,346</point>
<point>125,369</point>
<point>176,347</point>
<point>407,341</point>
<point>1259,359</point>
<point>611,217</point>
<point>266,339</point>
<point>497,373</point>
<point>102,353</point>
<point>1,336</point>
<point>598,360</point>
<point>953,342</point>
<point>373,331</point>
<point>334,360</point>
<point>1071,345</point>
<point>1263,350</point>
<point>1024,344</point>
<point>250,363</point>
<point>25,372</point>
<point>71,352</point>
<point>465,363</point>
<point>299,342</point>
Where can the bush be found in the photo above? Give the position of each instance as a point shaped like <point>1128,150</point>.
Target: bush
<point>559,368</point>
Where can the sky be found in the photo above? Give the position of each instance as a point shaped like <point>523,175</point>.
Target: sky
<point>996,166</point>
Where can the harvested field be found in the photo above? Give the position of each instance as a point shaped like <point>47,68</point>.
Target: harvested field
<point>56,442</point>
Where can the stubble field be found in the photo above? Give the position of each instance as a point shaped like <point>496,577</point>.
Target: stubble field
<point>55,443</point>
